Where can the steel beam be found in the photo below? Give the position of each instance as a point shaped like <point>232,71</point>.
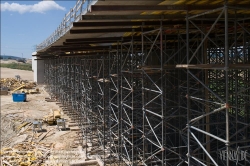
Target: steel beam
<point>131,17</point>
<point>163,7</point>
<point>100,39</point>
<point>153,7</point>
<point>129,23</point>
<point>108,30</point>
<point>69,49</point>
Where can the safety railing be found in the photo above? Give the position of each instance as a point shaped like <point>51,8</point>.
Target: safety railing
<point>74,15</point>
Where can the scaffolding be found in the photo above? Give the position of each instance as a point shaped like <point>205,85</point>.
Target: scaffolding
<point>164,96</point>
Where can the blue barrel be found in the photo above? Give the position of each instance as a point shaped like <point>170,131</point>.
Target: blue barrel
<point>19,97</point>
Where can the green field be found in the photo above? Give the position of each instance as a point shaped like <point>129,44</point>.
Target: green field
<point>19,66</point>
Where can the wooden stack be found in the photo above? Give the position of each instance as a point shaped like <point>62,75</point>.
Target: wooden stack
<point>14,85</point>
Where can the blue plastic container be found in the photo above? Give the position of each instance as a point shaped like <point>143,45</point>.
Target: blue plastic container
<point>19,97</point>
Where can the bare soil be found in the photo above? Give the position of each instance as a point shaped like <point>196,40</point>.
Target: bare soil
<point>10,73</point>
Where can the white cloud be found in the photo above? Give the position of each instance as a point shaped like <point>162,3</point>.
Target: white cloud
<point>40,7</point>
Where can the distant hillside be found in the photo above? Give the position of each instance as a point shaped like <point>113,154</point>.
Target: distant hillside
<point>13,57</point>
<point>10,57</point>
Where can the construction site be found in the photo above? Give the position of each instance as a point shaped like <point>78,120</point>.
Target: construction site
<point>153,82</point>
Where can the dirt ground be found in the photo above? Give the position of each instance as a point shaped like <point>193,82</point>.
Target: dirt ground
<point>17,130</point>
<point>10,73</point>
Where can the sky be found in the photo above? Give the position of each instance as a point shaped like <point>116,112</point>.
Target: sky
<point>25,24</point>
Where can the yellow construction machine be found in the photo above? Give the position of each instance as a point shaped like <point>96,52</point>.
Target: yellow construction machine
<point>52,117</point>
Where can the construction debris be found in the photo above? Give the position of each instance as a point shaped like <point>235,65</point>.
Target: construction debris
<point>14,84</point>
<point>25,154</point>
<point>49,146</point>
<point>46,146</point>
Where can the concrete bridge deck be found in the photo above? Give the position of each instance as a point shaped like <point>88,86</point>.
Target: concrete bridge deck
<point>111,18</point>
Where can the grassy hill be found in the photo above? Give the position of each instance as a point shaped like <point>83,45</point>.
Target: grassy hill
<point>19,66</point>
<point>16,64</point>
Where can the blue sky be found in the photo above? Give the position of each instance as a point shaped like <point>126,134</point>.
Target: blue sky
<point>25,24</point>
